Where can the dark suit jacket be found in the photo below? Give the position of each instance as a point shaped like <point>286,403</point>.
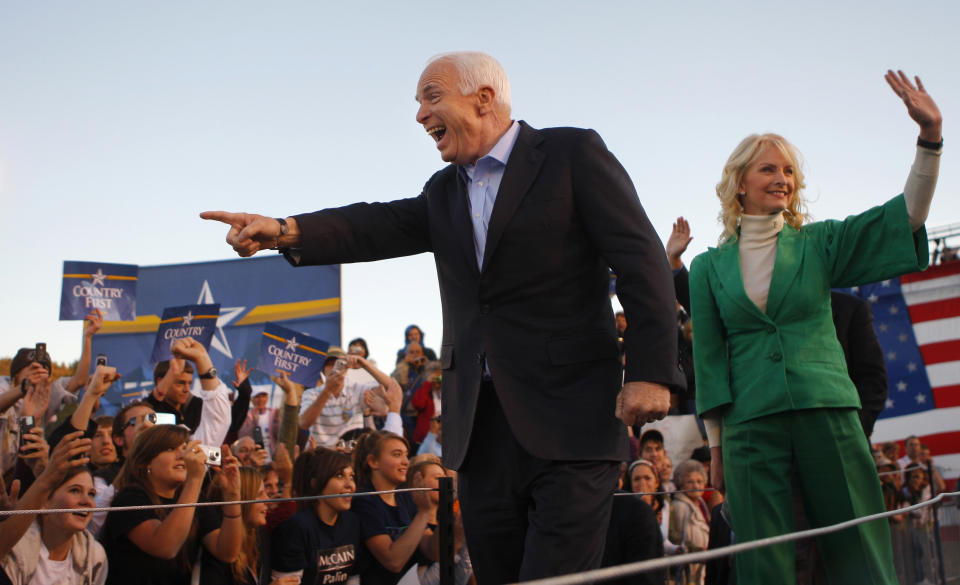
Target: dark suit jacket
<point>538,311</point>
<point>853,319</point>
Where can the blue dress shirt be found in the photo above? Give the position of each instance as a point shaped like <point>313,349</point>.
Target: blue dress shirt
<point>483,182</point>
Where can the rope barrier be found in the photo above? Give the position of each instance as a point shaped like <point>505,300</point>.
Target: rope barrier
<point>5,513</point>
<point>621,571</point>
<point>703,489</point>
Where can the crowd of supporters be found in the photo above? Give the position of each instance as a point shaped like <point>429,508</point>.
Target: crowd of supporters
<point>195,439</point>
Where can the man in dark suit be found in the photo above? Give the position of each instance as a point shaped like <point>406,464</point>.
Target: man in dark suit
<point>524,225</point>
<point>853,319</point>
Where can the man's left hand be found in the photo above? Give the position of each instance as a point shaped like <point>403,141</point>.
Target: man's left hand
<point>642,402</point>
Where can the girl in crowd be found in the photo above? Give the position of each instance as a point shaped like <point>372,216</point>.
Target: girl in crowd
<point>772,383</point>
<point>56,548</point>
<point>426,473</point>
<point>689,515</point>
<point>248,567</point>
<point>320,543</point>
<point>393,526</point>
<point>153,546</point>
<point>645,479</point>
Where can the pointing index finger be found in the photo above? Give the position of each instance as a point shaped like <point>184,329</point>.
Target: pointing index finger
<point>224,216</point>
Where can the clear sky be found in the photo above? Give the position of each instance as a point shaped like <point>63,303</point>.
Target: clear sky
<point>121,121</point>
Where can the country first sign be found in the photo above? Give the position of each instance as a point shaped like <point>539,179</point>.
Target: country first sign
<point>88,286</point>
<point>196,321</point>
<point>299,355</point>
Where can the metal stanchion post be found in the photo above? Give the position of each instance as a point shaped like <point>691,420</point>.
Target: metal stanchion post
<point>936,524</point>
<point>445,529</point>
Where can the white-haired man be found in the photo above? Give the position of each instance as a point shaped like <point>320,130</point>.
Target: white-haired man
<point>524,225</point>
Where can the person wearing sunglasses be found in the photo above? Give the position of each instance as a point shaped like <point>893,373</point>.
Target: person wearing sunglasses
<point>129,422</point>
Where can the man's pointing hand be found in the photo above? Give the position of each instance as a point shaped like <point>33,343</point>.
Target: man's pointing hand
<point>249,233</point>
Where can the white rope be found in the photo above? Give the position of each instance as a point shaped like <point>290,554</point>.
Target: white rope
<point>621,571</point>
<point>5,513</point>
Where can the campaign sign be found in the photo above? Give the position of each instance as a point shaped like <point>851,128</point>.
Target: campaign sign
<point>301,356</point>
<point>196,321</point>
<point>112,288</point>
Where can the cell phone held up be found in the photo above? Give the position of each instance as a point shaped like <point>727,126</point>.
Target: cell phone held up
<point>101,359</point>
<point>26,423</point>
<point>40,353</point>
<point>340,365</point>
<point>258,436</point>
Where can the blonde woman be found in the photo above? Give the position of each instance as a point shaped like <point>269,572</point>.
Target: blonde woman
<point>772,383</point>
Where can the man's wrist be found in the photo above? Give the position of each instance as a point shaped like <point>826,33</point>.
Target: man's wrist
<point>291,237</point>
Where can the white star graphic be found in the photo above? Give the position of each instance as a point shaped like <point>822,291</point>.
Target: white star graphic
<point>902,337</point>
<point>889,403</point>
<point>894,310</point>
<point>911,367</point>
<point>873,298</point>
<point>855,289</point>
<point>882,327</point>
<point>227,314</point>
<point>891,355</point>
<point>920,398</point>
<point>885,283</point>
<point>188,319</point>
<point>292,344</point>
<point>98,277</point>
<point>901,386</point>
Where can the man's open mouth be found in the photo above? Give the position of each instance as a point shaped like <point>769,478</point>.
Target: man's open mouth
<point>437,132</point>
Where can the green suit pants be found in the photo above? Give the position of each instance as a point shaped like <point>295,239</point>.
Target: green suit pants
<point>839,482</point>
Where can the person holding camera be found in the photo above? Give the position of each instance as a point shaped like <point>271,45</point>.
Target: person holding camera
<point>337,406</point>
<point>55,548</point>
<point>153,546</point>
<point>30,386</point>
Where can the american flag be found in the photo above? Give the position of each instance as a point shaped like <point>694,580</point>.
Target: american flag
<point>917,319</point>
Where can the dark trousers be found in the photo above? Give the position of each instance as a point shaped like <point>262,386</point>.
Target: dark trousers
<point>527,517</point>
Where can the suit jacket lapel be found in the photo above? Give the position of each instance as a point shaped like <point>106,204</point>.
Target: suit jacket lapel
<point>522,168</point>
<point>786,269</point>
<point>460,220</point>
<point>728,269</point>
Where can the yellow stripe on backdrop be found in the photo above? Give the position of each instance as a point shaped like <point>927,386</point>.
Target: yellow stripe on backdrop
<point>259,314</point>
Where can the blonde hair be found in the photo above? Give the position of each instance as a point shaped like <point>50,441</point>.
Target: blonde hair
<point>744,155</point>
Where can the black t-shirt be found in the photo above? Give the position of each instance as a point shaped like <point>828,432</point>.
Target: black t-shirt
<point>377,517</point>
<point>127,562</point>
<point>327,555</point>
<point>214,571</point>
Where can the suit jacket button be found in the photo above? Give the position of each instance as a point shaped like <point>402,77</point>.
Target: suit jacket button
<point>776,356</point>
<point>771,329</point>
<point>484,309</point>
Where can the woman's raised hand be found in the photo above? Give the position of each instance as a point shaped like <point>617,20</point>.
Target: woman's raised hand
<point>920,105</point>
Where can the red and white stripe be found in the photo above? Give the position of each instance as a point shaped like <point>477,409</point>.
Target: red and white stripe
<point>933,299</point>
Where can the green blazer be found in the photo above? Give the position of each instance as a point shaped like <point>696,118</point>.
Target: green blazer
<point>749,363</point>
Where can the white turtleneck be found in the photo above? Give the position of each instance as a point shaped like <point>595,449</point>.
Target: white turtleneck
<point>759,235</point>
<point>758,254</point>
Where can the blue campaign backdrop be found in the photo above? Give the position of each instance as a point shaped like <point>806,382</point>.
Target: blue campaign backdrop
<point>250,293</point>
